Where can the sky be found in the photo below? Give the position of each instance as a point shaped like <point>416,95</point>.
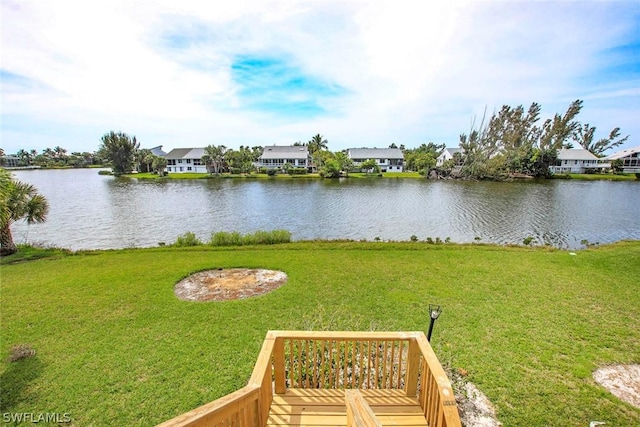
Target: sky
<point>190,73</point>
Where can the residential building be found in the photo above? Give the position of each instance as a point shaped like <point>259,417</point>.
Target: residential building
<point>9,161</point>
<point>276,156</point>
<point>576,160</point>
<point>183,160</point>
<point>447,154</point>
<point>387,159</point>
<point>630,159</point>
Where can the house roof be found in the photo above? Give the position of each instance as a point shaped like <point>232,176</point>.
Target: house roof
<point>375,153</point>
<point>185,153</point>
<point>624,153</point>
<point>285,152</point>
<point>575,154</point>
<point>449,152</point>
<point>157,151</point>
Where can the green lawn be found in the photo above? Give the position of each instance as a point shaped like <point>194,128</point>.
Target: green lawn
<point>597,177</point>
<point>115,347</point>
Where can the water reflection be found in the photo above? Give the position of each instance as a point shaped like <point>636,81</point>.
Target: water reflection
<point>91,211</point>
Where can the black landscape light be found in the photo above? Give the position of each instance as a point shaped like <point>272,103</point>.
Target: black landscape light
<point>434,313</point>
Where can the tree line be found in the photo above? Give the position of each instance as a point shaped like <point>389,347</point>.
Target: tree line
<point>511,142</point>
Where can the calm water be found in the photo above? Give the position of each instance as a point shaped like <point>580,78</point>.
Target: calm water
<point>91,211</point>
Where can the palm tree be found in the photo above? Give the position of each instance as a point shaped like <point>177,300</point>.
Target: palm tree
<point>315,146</point>
<point>18,200</point>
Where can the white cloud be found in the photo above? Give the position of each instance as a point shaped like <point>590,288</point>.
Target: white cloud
<point>413,71</point>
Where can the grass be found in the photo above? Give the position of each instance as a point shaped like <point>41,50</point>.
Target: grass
<point>596,177</point>
<point>180,175</point>
<point>114,346</point>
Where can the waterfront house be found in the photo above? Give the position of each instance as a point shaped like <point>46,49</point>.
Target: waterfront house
<point>183,160</point>
<point>630,159</point>
<point>387,159</point>
<point>9,161</point>
<point>447,154</point>
<point>576,160</point>
<point>276,156</point>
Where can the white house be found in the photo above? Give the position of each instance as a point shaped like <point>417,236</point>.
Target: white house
<point>630,159</point>
<point>186,160</point>
<point>447,154</point>
<point>388,159</point>
<point>276,156</point>
<point>576,160</point>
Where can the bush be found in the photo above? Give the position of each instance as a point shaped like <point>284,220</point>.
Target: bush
<point>235,171</point>
<point>223,238</point>
<point>297,171</point>
<point>272,172</point>
<point>262,170</point>
<point>414,238</point>
<point>187,239</point>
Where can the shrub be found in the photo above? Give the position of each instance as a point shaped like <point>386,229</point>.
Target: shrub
<point>235,171</point>
<point>414,238</point>
<point>272,172</point>
<point>262,170</point>
<point>297,171</point>
<point>187,239</point>
<point>223,238</point>
<point>528,240</point>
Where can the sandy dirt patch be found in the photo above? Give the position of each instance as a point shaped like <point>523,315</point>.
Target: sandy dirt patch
<point>228,284</point>
<point>623,381</point>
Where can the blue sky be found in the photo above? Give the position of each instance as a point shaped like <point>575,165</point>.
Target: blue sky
<point>361,73</point>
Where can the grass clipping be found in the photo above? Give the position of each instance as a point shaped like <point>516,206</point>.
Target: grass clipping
<point>228,284</point>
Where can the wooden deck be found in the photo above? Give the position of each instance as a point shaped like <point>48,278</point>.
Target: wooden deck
<point>324,378</point>
<point>314,407</point>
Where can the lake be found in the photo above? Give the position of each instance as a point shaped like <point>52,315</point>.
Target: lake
<point>92,211</point>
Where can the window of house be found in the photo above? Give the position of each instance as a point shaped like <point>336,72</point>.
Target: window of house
<point>188,168</point>
<point>181,169</point>
<point>179,160</point>
<point>189,161</point>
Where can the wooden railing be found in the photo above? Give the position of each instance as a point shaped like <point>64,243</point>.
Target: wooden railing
<point>334,360</point>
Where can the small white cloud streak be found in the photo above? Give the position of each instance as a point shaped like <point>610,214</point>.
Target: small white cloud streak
<point>414,71</point>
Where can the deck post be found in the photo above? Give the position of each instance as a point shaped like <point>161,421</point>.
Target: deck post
<point>413,365</point>
<point>278,365</point>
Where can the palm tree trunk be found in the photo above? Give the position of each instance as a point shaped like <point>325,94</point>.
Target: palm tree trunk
<point>7,247</point>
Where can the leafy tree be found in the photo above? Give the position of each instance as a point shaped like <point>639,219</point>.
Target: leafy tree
<point>344,162</point>
<point>369,165</point>
<point>241,159</point>
<point>18,200</point>
<point>120,150</point>
<point>617,166</point>
<point>214,157</point>
<point>422,157</point>
<point>331,169</point>
<point>584,134</point>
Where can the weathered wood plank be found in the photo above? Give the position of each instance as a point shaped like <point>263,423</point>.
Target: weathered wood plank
<point>359,413</point>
